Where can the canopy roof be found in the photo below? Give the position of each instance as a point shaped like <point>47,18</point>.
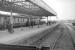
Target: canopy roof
<point>30,7</point>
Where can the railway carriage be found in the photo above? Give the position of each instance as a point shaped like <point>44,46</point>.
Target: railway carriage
<point>17,21</point>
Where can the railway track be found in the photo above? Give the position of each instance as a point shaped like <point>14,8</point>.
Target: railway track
<point>58,40</point>
<point>64,42</point>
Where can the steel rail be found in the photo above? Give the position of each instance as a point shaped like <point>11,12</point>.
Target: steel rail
<point>62,30</point>
<point>71,38</point>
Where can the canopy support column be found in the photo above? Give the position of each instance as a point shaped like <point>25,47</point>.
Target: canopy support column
<point>29,22</point>
<point>32,22</point>
<point>10,23</point>
<point>38,23</point>
<point>50,21</point>
<point>47,20</point>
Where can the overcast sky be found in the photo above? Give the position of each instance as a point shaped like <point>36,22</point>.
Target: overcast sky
<point>64,8</point>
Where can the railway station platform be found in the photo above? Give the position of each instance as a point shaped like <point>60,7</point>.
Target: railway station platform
<point>20,33</point>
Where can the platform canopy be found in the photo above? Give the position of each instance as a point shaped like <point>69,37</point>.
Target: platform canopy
<point>29,7</point>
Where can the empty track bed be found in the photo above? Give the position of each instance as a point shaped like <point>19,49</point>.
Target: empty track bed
<point>59,39</point>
